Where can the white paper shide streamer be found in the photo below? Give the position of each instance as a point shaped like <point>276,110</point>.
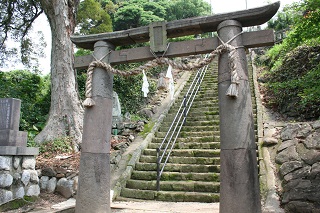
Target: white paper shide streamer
<point>171,83</point>
<point>145,85</point>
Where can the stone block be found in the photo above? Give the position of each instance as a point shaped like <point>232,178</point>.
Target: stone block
<point>29,162</point>
<point>289,167</point>
<point>18,192</point>
<point>13,138</point>
<point>16,162</point>
<point>44,182</point>
<point>5,180</point>
<point>34,177</point>
<point>25,177</point>
<point>9,113</point>
<point>5,162</point>
<point>33,190</point>
<point>8,150</point>
<point>31,151</point>
<point>65,187</point>
<point>5,196</point>
<point>288,154</point>
<point>52,184</point>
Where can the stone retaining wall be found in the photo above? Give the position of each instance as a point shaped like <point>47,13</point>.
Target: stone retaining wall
<point>296,153</point>
<point>18,177</point>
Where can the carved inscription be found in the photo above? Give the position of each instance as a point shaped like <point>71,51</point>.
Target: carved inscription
<point>5,111</point>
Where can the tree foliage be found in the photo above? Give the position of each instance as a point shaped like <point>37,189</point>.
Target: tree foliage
<point>136,13</point>
<point>16,18</point>
<point>93,18</point>
<point>283,21</point>
<point>34,92</point>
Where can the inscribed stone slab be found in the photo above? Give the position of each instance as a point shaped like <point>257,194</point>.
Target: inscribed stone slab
<point>9,113</point>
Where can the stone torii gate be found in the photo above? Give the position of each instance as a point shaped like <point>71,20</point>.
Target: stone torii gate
<point>239,186</point>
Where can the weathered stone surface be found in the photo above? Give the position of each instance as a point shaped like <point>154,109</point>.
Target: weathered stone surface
<point>311,157</point>
<point>33,190</point>
<point>52,184</point>
<point>18,192</point>
<point>289,132</point>
<point>49,171</point>
<point>269,141</point>
<point>25,177</point>
<point>16,162</point>
<point>269,132</point>
<point>315,171</point>
<point>305,130</point>
<point>10,137</point>
<point>29,162</point>
<point>65,187</point>
<point>299,206</point>
<point>44,182</point>
<point>5,163</point>
<point>16,178</point>
<point>299,173</point>
<point>288,154</point>
<point>5,196</point>
<point>289,167</point>
<point>9,113</point>
<point>94,185</point>
<point>286,144</point>
<point>5,180</point>
<point>316,124</point>
<point>34,177</point>
<point>312,141</point>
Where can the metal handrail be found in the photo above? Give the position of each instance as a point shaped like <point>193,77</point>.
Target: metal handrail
<point>178,120</point>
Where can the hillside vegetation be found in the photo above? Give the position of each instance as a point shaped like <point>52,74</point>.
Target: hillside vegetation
<point>290,80</point>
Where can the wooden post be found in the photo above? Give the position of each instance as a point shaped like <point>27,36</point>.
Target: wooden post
<point>94,173</point>
<point>239,184</point>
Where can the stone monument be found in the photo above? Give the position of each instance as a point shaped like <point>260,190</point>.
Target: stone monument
<point>18,176</point>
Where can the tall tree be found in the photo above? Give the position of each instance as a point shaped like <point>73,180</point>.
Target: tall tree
<point>66,112</point>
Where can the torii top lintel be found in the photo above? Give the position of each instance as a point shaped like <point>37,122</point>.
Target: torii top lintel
<point>183,27</point>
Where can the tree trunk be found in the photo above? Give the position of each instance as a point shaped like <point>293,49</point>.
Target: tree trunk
<point>66,112</point>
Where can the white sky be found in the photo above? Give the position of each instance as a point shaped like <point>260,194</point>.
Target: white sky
<point>218,6</point>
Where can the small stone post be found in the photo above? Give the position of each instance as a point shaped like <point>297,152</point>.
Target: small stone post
<point>94,173</point>
<point>239,185</point>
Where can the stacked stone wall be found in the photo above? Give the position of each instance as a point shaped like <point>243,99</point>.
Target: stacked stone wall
<point>18,177</point>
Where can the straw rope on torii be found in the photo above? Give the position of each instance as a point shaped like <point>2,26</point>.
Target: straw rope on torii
<point>224,47</point>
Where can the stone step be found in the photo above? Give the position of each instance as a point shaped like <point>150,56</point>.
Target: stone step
<point>170,196</point>
<point>190,145</point>
<point>184,134</point>
<point>191,186</point>
<point>171,167</point>
<point>196,123</point>
<point>152,175</point>
<point>165,128</point>
<point>184,160</point>
<point>214,138</point>
<point>187,152</point>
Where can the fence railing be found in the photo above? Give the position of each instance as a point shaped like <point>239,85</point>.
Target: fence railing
<point>167,144</point>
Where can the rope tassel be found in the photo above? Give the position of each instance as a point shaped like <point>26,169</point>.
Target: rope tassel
<point>233,89</point>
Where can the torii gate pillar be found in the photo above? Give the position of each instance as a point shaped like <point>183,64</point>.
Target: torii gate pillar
<point>239,184</point>
<point>94,173</point>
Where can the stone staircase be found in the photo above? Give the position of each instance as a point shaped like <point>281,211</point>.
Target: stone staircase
<point>192,172</point>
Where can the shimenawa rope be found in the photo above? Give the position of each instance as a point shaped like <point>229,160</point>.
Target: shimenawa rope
<point>224,47</point>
